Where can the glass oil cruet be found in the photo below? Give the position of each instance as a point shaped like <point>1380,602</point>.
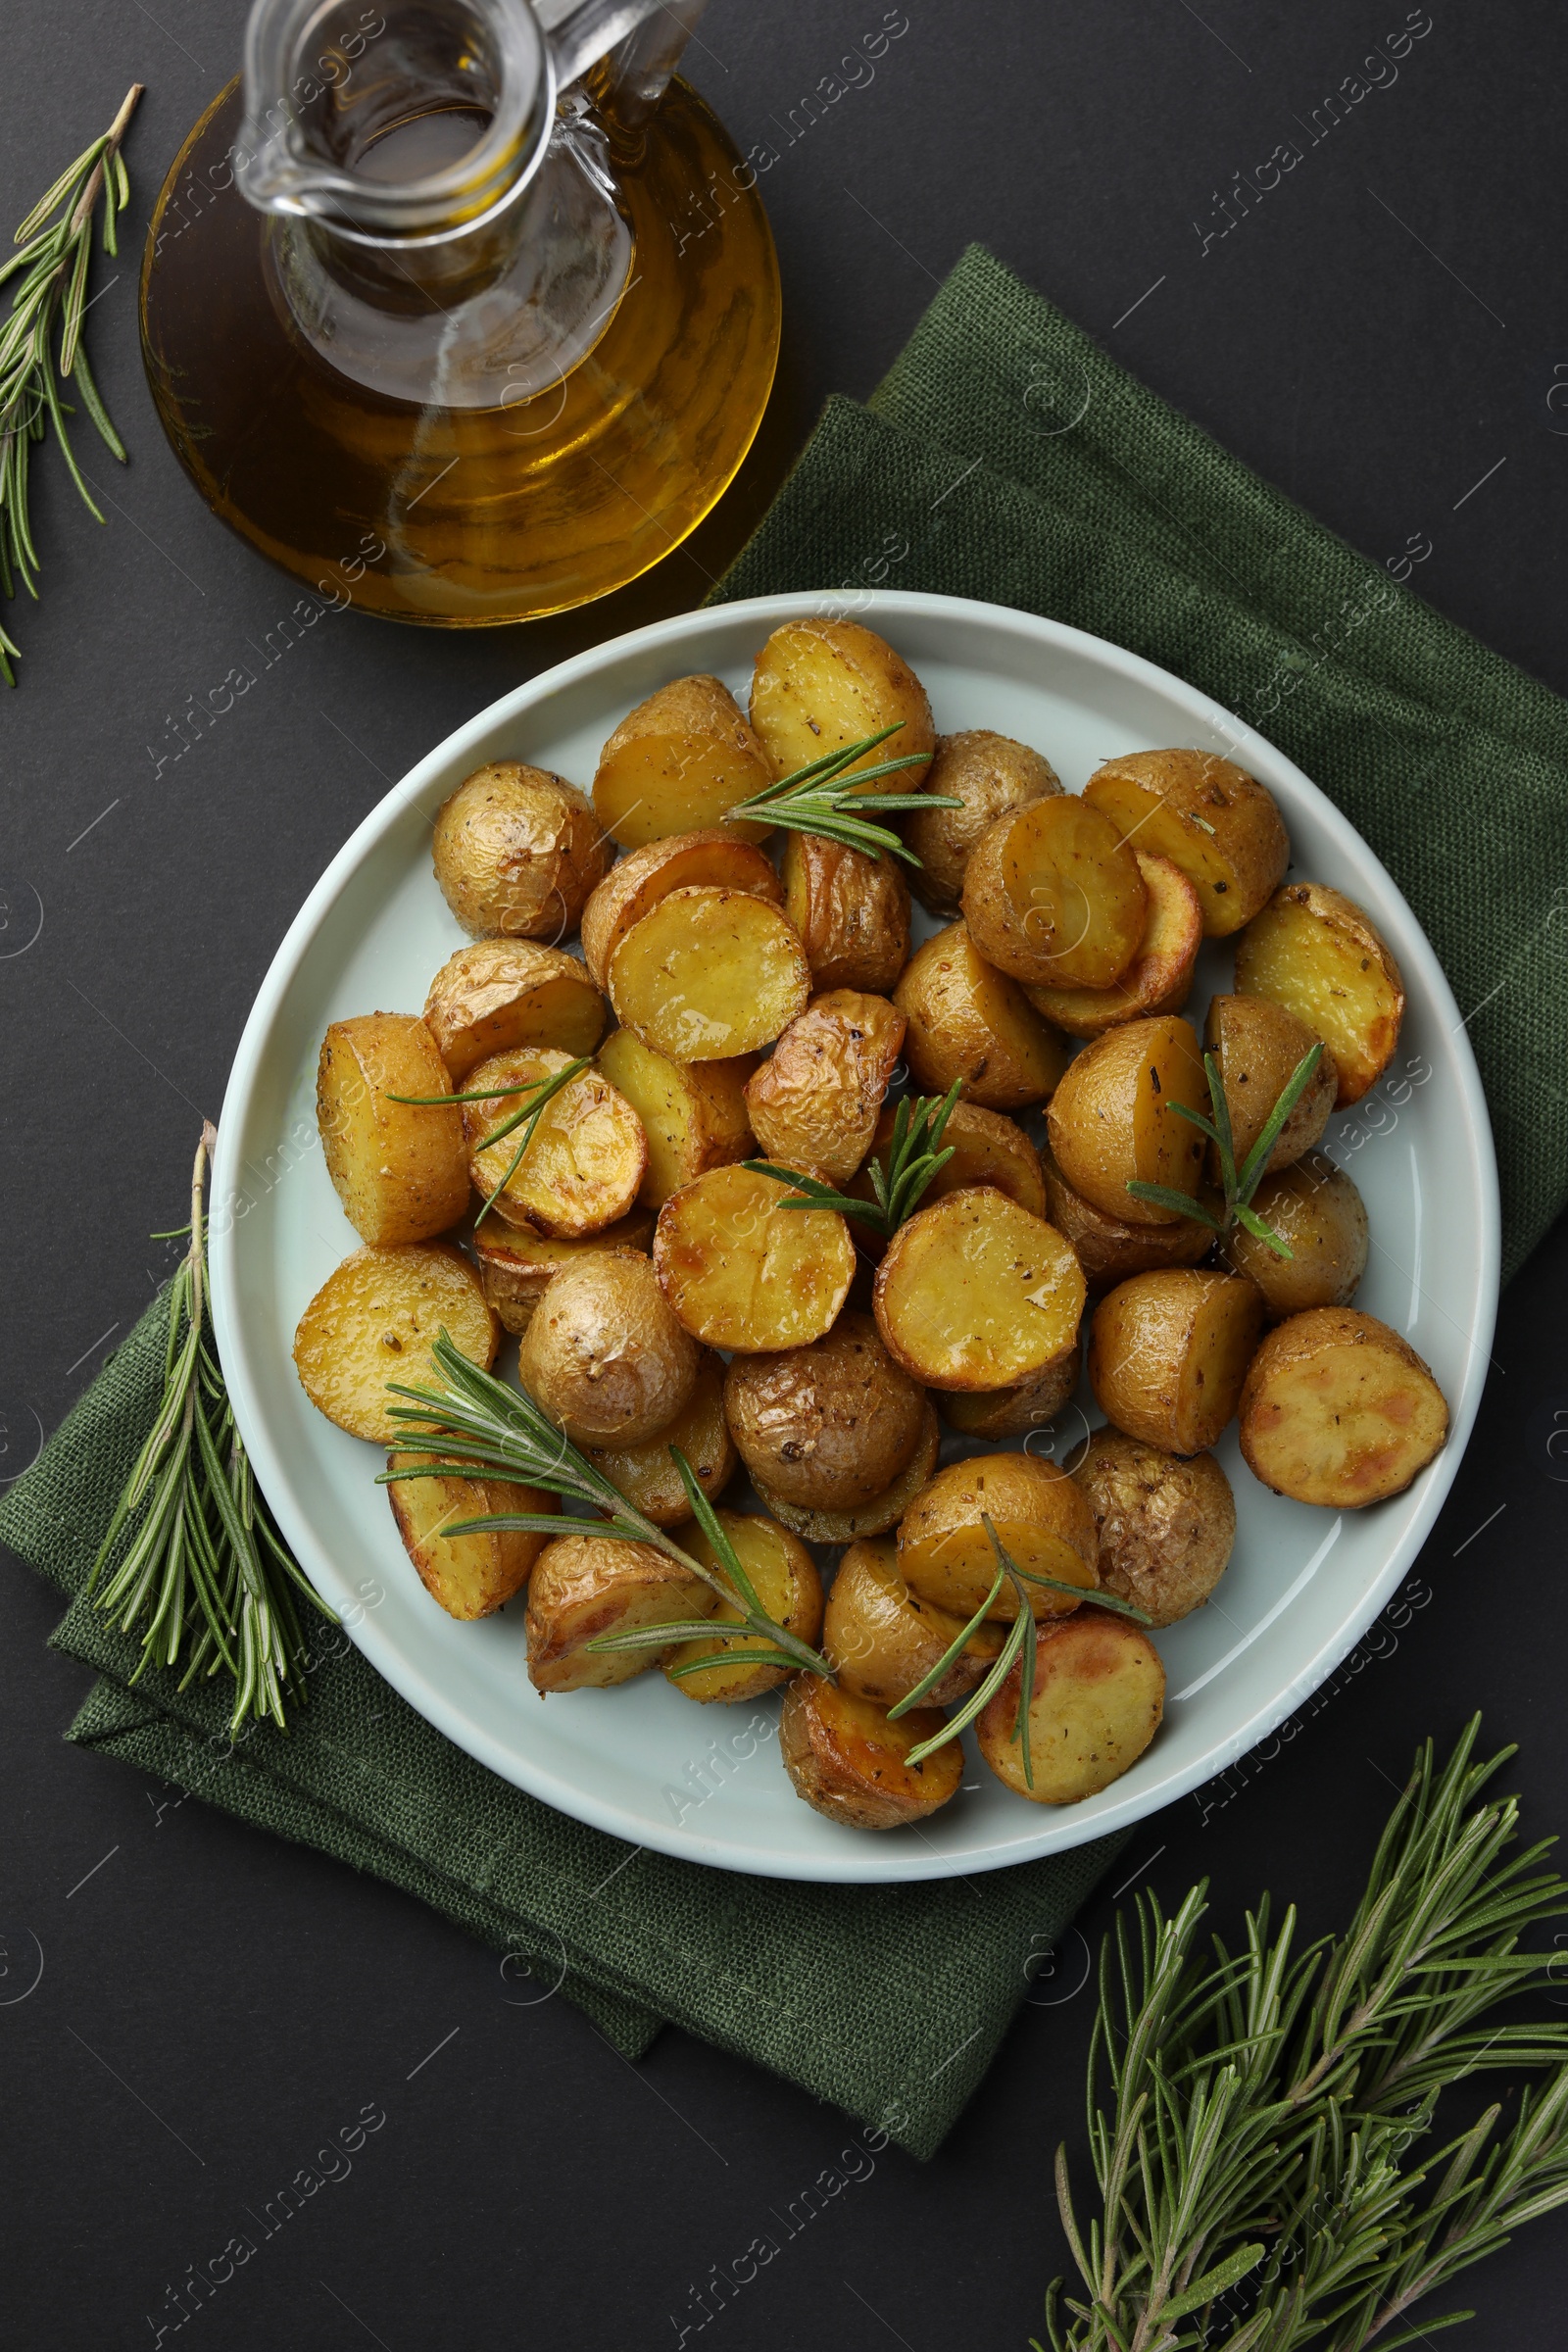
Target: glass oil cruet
<point>464,309</point>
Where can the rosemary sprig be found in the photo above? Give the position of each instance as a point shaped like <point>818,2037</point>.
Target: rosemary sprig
<point>814,801</point>
<point>205,1567</point>
<point>899,1176</point>
<point>52,285</point>
<point>539,1092</point>
<point>474,1425</point>
<point>1237,1185</point>
<point>1267,2130</point>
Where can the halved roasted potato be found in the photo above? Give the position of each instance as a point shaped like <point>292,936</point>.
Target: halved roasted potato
<point>994,1413</point>
<point>1110,1250</point>
<point>783,1576</point>
<point>516,1262</point>
<point>1166,1523</point>
<point>692,1112</point>
<point>682,758</point>
<point>604,1357</point>
<point>850,1762</point>
<point>1099,1697</point>
<point>1320,955</point>
<point>1159,977</point>
<point>968,1021</point>
<point>820,684</point>
<point>1111,1124</point>
<point>646,1474</point>
<point>745,1272</point>
<point>883,1640</point>
<point>1053,897</point>
<point>974,1292</point>
<point>1042,1522</point>
<point>377,1318</point>
<point>1207,816</point>
<point>1257,1046</point>
<point>633,888</point>
<point>814,1101</point>
<point>851,912</point>
<point>708,974</point>
<point>517,853</point>
<point>990,776</point>
<point>1168,1353</point>
<point>827,1425</point>
<point>1340,1410</point>
<point>586,1585</point>
<point>473,1574</point>
<point>862,1519</point>
<point>399,1169</point>
<point>1321,1218</point>
<point>499,993</point>
<point>583,1167</point>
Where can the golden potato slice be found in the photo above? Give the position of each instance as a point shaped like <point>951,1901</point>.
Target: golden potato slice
<point>377,1318</point>
<point>497,993</point>
<point>814,1101</point>
<point>1166,1523</point>
<point>1317,953</point>
<point>1099,1697</point>
<point>711,861</point>
<point>398,1169</point>
<point>991,776</point>
<point>994,1413</point>
<point>1052,895</point>
<point>515,1263</point>
<point>1338,1410</point>
<point>974,1292</point>
<point>785,1580</point>
<point>647,1475</point>
<point>1110,1250</point>
<point>820,684</point>
<point>1257,1046</point>
<point>849,1761</point>
<point>708,974</point>
<point>827,1425</point>
<point>883,1640</point>
<point>517,853</point>
<point>584,1164</point>
<point>604,1357</point>
<point>585,1585</point>
<point>692,1112</point>
<point>1168,1352</point>
<point>1207,816</point>
<point>1043,1521</point>
<point>742,1271</point>
<point>1159,977</point>
<point>968,1021</point>
<point>863,1519</point>
<point>851,911</point>
<point>1111,1120</point>
<point>680,759</point>
<point>475,1575</point>
<point>1321,1218</point>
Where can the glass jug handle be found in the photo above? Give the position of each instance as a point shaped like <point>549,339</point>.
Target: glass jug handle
<point>639,41</point>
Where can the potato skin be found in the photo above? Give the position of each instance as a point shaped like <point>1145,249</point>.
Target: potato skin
<point>1159,977</point>
<point>1208,816</point>
<point>847,1759</point>
<point>646,1474</point>
<point>1316,1210</point>
<point>497,994</point>
<point>1168,1353</point>
<point>1100,1695</point>
<point>377,1318</point>
<point>851,911</point>
<point>784,1577</point>
<point>1111,1122</point>
<point>515,1263</point>
<point>825,1426</point>
<point>883,1640</point>
<point>994,1413</point>
<point>400,1170</point>
<point>745,1273</point>
<point>585,1585</point>
<point>584,1164</point>
<point>863,1519</point>
<point>1041,1518</point>
<point>814,1101</point>
<point>1321,955</point>
<point>1110,1250</point>
<point>820,684</point>
<point>974,1292</point>
<point>604,1357</point>
<point>634,886</point>
<point>516,851</point>
<point>992,776</point>
<point>1338,1410</point>
<point>1166,1523</point>
<point>970,1022</point>
<point>708,974</point>
<point>1257,1046</point>
<point>1053,895</point>
<point>681,760</point>
<point>475,1575</point>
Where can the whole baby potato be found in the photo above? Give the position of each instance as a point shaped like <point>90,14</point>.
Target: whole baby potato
<point>648,1474</point>
<point>604,1357</point>
<point>1321,1218</point>
<point>968,1021</point>
<point>814,1101</point>
<point>517,853</point>
<point>862,1519</point>
<point>819,685</point>
<point>1168,1353</point>
<point>1166,1523</point>
<point>851,909</point>
<point>828,1425</point>
<point>990,776</point>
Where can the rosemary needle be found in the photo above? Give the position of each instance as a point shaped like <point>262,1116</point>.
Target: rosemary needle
<point>819,798</point>
<point>1237,1185</point>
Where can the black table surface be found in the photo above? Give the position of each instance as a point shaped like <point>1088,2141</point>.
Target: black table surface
<point>1382,340</point>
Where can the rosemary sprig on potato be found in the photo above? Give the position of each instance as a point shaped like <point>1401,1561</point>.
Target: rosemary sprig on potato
<point>1237,1185</point>
<point>900,1176</point>
<point>539,1090</point>
<point>812,799</point>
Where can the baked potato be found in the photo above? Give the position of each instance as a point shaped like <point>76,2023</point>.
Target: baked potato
<point>974,1292</point>
<point>1340,1410</point>
<point>990,776</point>
<point>814,1101</point>
<point>516,1262</point>
<point>473,1574</point>
<point>818,685</point>
<point>783,1576</point>
<point>693,1113</point>
<point>851,912</point>
<point>986,1148</point>
<point>991,1415</point>
<point>633,888</point>
<point>1257,1046</point>
<point>744,1272</point>
<point>1320,955</point>
<point>883,1640</point>
<point>1043,1521</point>
<point>1166,1523</point>
<point>646,1473</point>
<point>377,1318</point>
<point>1168,1352</point>
<point>968,1021</point>
<point>828,1426</point>
<point>1321,1218</point>
<point>708,974</point>
<point>1110,1250</point>
<point>1053,895</point>
<point>497,993</point>
<point>1111,1120</point>
<point>583,1167</point>
<point>604,1357</point>
<point>1099,1697</point>
<point>1159,977</point>
<point>1207,816</point>
<point>587,1586</point>
<point>399,1169</point>
<point>682,758</point>
<point>850,1762</point>
<point>862,1519</point>
<point>517,853</point>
